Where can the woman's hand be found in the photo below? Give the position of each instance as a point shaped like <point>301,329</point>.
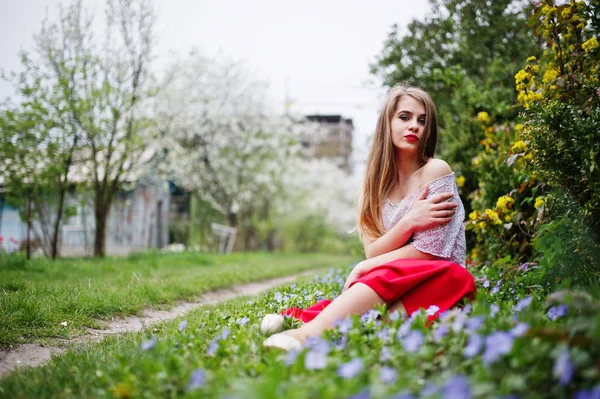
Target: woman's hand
<point>360,269</point>
<point>430,212</point>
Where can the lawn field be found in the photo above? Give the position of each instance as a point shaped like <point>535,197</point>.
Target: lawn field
<point>37,298</point>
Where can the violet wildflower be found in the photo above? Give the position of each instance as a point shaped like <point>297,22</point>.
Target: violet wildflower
<point>197,380</point>
<point>404,329</point>
<point>293,286</point>
<point>523,303</point>
<point>557,311</point>
<point>519,330</point>
<point>243,321</point>
<point>212,348</point>
<point>225,334</point>
<point>369,316</point>
<point>474,345</point>
<point>459,322</point>
<point>291,356</point>
<point>413,341</point>
<point>494,309</point>
<point>588,394</point>
<point>467,308</point>
<point>341,342</point>
<point>317,344</point>
<point>364,394</point>
<point>496,288</point>
<point>474,323</point>
<point>563,368</point>
<point>278,297</point>
<point>182,325</point>
<point>350,369</point>
<point>429,389</point>
<point>344,326</point>
<point>497,344</point>
<point>384,334</point>
<point>395,315</point>
<point>147,345</point>
<point>388,375</point>
<point>403,395</point>
<point>440,333</point>
<point>315,360</point>
<point>386,354</point>
<point>432,310</point>
<point>456,388</point>
<point>486,284</point>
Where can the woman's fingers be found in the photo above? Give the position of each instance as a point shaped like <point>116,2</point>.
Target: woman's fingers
<point>423,193</point>
<point>439,198</point>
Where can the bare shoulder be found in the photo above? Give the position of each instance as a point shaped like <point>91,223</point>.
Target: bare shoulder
<point>433,169</point>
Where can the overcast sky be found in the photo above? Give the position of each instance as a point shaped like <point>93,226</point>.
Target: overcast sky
<point>315,52</point>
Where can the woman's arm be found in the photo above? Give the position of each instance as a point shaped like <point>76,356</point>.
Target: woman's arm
<point>406,252</point>
<point>425,213</point>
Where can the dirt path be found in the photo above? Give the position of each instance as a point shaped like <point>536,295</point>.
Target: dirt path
<point>32,355</point>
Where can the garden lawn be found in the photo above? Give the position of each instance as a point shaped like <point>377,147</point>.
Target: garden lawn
<point>515,340</point>
<point>36,297</point>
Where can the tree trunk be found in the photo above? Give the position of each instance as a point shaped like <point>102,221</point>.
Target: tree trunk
<point>101,214</point>
<point>28,243</point>
<point>59,213</point>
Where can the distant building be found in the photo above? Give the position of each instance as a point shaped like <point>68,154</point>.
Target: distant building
<point>138,220</point>
<point>335,143</point>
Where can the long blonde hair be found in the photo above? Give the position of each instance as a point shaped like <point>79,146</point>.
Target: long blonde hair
<point>382,163</point>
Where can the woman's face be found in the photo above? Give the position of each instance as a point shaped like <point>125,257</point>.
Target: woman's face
<point>408,124</point>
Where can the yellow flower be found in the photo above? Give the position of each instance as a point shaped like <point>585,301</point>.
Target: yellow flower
<point>532,58</point>
<point>460,181</point>
<point>566,13</point>
<point>590,45</point>
<point>483,117</point>
<point>480,225</point>
<point>507,218</point>
<point>519,126</point>
<point>504,203</point>
<point>581,26</point>
<point>519,146</point>
<point>550,74</point>
<point>475,161</point>
<point>494,217</point>
<point>539,202</point>
<point>473,215</point>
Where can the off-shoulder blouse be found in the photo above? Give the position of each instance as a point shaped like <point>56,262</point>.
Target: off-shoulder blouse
<point>444,241</point>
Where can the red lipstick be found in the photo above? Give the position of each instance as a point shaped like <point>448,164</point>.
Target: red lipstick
<point>411,137</point>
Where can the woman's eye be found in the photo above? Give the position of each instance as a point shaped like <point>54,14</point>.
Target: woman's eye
<point>404,117</point>
<point>422,121</point>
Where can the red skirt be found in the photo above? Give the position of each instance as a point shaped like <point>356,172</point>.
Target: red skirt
<point>417,283</point>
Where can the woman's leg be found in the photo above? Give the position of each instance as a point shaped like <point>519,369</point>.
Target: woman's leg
<point>358,299</point>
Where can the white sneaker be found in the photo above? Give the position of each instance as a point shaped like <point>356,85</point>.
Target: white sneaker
<point>282,341</point>
<point>271,324</point>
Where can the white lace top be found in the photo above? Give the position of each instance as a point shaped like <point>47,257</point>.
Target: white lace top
<point>445,241</point>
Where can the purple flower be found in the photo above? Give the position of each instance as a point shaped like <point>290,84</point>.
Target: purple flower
<point>459,322</point>
<point>440,333</point>
<point>243,321</point>
<point>293,286</point>
<point>588,394</point>
<point>315,360</point>
<point>290,357</point>
<point>563,368</point>
<point>432,310</point>
<point>369,316</point>
<point>486,284</point>
<point>317,344</point>
<point>395,315</point>
<point>403,395</point>
<point>404,329</point>
<point>350,369</point>
<point>474,345</point>
<point>497,344</point>
<point>147,345</point>
<point>413,341</point>
<point>385,355</point>
<point>496,288</point>
<point>212,347</point>
<point>340,343</point>
<point>519,330</point>
<point>225,334</point>
<point>196,380</point>
<point>278,297</point>
<point>384,334</point>
<point>182,325</point>
<point>456,388</point>
<point>364,394</point>
<point>388,375</point>
<point>467,308</point>
<point>494,309</point>
<point>474,323</point>
<point>557,311</point>
<point>344,326</point>
<point>429,389</point>
<point>523,303</point>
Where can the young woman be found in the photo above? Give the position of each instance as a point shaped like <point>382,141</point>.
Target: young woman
<point>410,222</point>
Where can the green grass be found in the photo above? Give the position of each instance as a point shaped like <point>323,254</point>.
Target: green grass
<point>36,297</point>
<point>234,364</point>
